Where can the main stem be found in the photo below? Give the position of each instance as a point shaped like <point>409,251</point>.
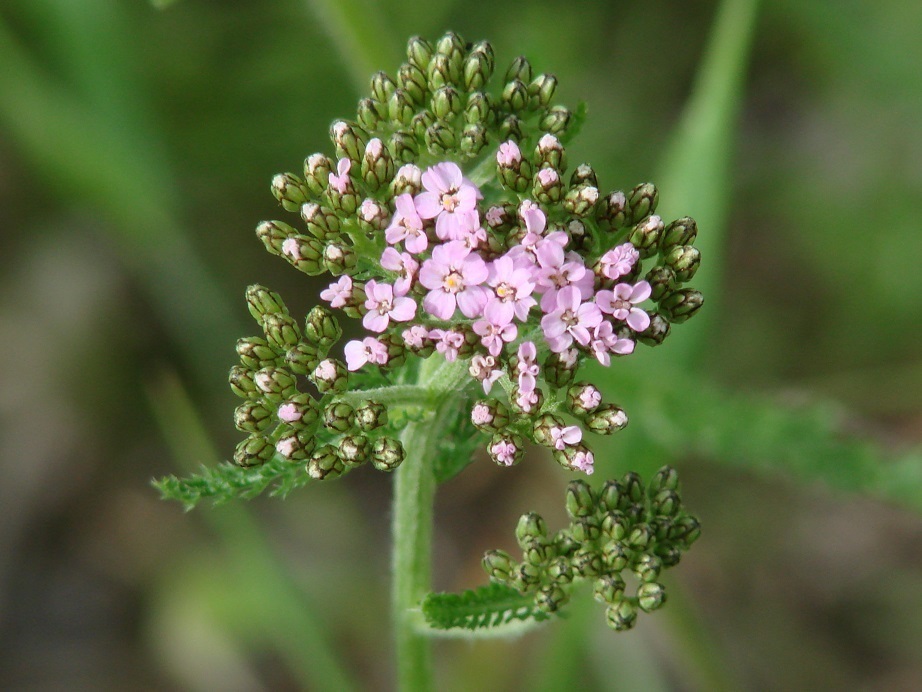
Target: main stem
<point>414,494</point>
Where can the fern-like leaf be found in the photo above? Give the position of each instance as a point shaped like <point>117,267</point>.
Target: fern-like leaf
<point>484,607</point>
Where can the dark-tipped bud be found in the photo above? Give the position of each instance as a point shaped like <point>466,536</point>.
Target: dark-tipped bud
<point>253,416</point>
<point>255,353</point>
<point>419,52</point>
<point>531,528</point>
<point>317,169</point>
<point>648,567</point>
<point>289,190</point>
<point>254,451</point>
<point>607,419</point>
<point>354,450</point>
<point>302,358</point>
<point>325,463</point>
<point>622,616</point>
<point>651,596</point>
<point>684,261</point>
<point>642,202</point>
<point>609,588</point>
<point>583,398</point>
<point>321,327</point>
<point>645,236</point>
<point>400,107</point>
<point>446,103</point>
<point>413,80</point>
<point>580,502</point>
<point>261,301</point>
<point>242,384</point>
<point>477,70</point>
<point>387,453</point>
<point>330,375</point>
<point>515,96</point>
<point>382,86</point>
<point>498,565</point>
<point>370,416</point>
<point>657,332</point>
<point>581,200</point>
<point>377,164</point>
<point>275,384</point>
<point>556,120</point>
<point>559,369</point>
<point>680,232</point>
<point>681,305</point>
<point>542,89</point>
<point>550,598</point>
<point>661,280</point>
<point>490,415</point>
<point>612,211</point>
<point>281,331</point>
<point>339,417</point>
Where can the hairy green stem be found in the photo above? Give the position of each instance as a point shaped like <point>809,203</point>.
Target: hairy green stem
<point>414,494</point>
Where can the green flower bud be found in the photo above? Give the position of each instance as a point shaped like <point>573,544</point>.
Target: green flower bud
<point>413,80</point>
<point>581,200</point>
<point>371,415</point>
<point>439,72</point>
<point>657,332</point>
<point>560,570</point>
<point>348,139</point>
<point>289,190</point>
<point>537,553</point>
<point>648,567</point>
<point>584,175</point>
<point>321,327</point>
<point>321,221</point>
<point>585,529</point>
<point>339,417</point>
<point>669,554</point>
<point>641,203</point>
<point>621,616</point>
<point>519,69</point>
<point>253,451</point>
<point>615,556</point>
<point>420,122</point>
<point>583,398</point>
<point>607,419</point>
<point>451,45</point>
<point>446,103</point>
<point>339,258</point>
<point>419,52</point>
<point>580,502</point>
<point>480,109</point>
<point>541,431</point>
<point>612,211</point>
<point>610,496</point>
<point>302,358</point>
<point>382,86</point>
<point>645,236</point>
<point>261,301</point>
<point>330,375</point>
<point>512,128</point>
<point>387,453</point>
<point>556,120</point>
<point>300,412</point>
<point>547,186</point>
<point>396,350</point>
<point>640,537</point>
<point>354,450</point>
<point>614,524</point>
<point>541,90</point>
<point>292,447</point>
<point>581,239</point>
<point>325,463</point>
<point>531,528</point>
<point>608,588</point>
<point>409,179</point>
<point>377,165</point>
<point>242,384</point>
<point>490,415</point>
<point>680,232</point>
<point>666,503</point>
<point>550,598</point>
<point>317,169</point>
<point>275,384</point>
<point>473,140</point>
<point>401,107</point>
<point>281,331</point>
<point>559,369</point>
<point>253,416</point>
<point>686,529</point>
<point>369,113</point>
<point>515,96</point>
<point>632,488</point>
<point>485,48</point>
<point>255,353</point>
<point>565,544</point>
<point>273,234</point>
<point>684,261</point>
<point>587,563</point>
<point>651,596</point>
<point>681,305</point>
<point>440,139</point>
<point>477,70</point>
<point>506,449</point>
<point>661,280</point>
<point>498,565</point>
<point>346,202</point>
<point>667,478</point>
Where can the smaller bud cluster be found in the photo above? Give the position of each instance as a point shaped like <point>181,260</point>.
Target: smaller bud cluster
<point>325,433</point>
<point>620,527</point>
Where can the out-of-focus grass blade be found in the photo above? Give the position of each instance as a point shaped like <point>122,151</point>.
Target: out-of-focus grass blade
<point>282,612</point>
<point>695,177</point>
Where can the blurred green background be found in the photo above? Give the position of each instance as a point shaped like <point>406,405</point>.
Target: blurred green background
<point>136,149</point>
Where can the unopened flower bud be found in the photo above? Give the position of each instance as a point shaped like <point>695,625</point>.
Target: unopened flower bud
<point>440,139</point>
<point>302,358</point>
<point>541,431</point>
<point>253,416</point>
<point>339,417</point>
<point>387,453</point>
<point>686,529</point>
<point>622,616</point>
<point>645,236</point>
<point>550,152</point>
<point>614,523</point>
<point>560,570</point>
<point>446,103</point>
<point>451,45</point>
<point>369,113</point>
<point>512,127</point>
<point>609,495</point>
<point>682,304</point>
<point>580,502</point>
<point>330,375</point>
<point>242,384</point>
<point>320,221</point>
<point>586,529</point>
<point>339,258</point>
<point>473,139</point>
<point>325,463</point>
<point>490,415</point>
<point>300,412</point>
<point>608,588</point>
<point>317,169</point>
<point>515,96</point>
<point>607,419</point>
<point>373,216</point>
<point>254,451</point>
<point>559,370</point>
<point>550,598</point>
<point>506,449</point>
<point>412,80</point>
<point>400,107</point>
<point>642,202</point>
<point>525,577</point>
<point>583,398</point>
<point>680,232</point>
<point>531,527</point>
<point>556,120</point>
<point>661,279</point>
<point>684,261</point>
<point>480,109</point>
<point>348,139</point>
<point>541,90</point>
<point>667,478</point>
<point>292,447</point>
<point>275,384</point>
<point>640,537</point>
<point>419,52</point>
<point>547,186</point>
<point>281,331</point>
<point>396,350</point>
<point>581,200</point>
<point>657,332</point>
<point>587,563</point>
<point>370,416</point>
<point>408,180</point>
<point>651,596</point>
<point>612,211</point>
<point>289,190</point>
<point>377,164</point>
<point>321,327</point>
<point>261,301</point>
<point>439,72</point>
<point>382,86</point>
<point>477,70</point>
<point>519,69</point>
<point>255,353</point>
<point>354,450</point>
<point>615,556</point>
<point>498,564</point>
<point>648,567</point>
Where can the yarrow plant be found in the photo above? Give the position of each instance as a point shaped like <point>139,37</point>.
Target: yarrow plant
<point>481,278</point>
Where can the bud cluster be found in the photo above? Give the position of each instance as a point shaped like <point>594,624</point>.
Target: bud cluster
<point>325,433</point>
<point>454,231</point>
<point>621,530</point>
